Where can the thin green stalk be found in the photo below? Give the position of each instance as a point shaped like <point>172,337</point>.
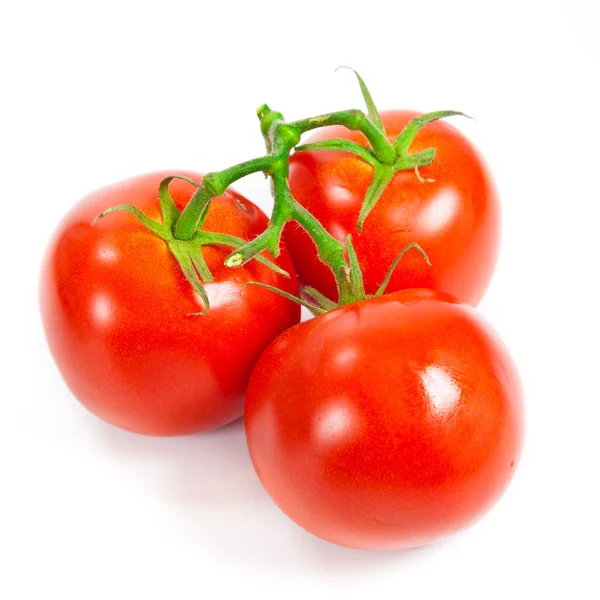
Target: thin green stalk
<point>355,120</point>
<point>184,231</point>
<point>214,184</point>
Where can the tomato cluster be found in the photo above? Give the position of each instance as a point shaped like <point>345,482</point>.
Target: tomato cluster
<point>388,421</point>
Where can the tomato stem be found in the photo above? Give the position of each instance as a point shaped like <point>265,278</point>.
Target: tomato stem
<point>281,138</point>
<point>183,232</point>
<point>214,184</point>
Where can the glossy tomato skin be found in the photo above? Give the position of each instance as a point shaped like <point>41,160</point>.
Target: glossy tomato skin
<point>114,306</point>
<point>455,219</point>
<point>388,423</point>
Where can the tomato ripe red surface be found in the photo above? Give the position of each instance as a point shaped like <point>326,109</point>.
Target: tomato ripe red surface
<point>387,423</point>
<point>455,218</point>
<point>114,305</point>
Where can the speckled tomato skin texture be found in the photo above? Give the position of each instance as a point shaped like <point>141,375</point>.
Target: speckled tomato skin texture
<point>114,306</point>
<point>388,423</point>
<point>456,219</point>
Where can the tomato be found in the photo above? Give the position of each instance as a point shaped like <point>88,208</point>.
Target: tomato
<point>387,423</point>
<point>115,307</point>
<point>455,218</point>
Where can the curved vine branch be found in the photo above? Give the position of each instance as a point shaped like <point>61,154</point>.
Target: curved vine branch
<point>184,234</point>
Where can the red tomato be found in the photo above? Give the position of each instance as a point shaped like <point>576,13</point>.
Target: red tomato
<point>115,303</point>
<point>387,423</point>
<point>455,219</point>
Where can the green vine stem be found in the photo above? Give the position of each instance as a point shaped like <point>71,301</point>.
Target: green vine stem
<point>386,158</point>
<point>183,232</point>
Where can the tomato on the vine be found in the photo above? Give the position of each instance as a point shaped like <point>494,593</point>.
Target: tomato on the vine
<point>454,216</point>
<point>115,308</point>
<point>386,423</point>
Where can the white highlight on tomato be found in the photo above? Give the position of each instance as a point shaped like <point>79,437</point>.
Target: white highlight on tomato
<point>440,388</point>
<point>334,422</point>
<point>440,211</point>
<point>102,309</point>
<point>108,254</point>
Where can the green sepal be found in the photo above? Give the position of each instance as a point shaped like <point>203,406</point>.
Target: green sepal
<point>320,299</point>
<point>189,256</point>
<point>374,116</point>
<point>381,290</point>
<point>168,209</point>
<point>201,266</point>
<point>353,288</point>
<point>358,285</point>
<point>342,146</point>
<point>161,230</point>
<point>312,307</point>
<point>408,134</point>
<point>382,175</point>
<point>412,161</point>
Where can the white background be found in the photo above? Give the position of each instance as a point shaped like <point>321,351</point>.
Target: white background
<point>93,92</point>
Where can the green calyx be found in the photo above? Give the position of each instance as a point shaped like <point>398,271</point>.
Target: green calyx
<point>188,253</point>
<point>385,167</point>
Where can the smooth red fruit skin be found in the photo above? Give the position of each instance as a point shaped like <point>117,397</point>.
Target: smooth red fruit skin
<point>114,306</point>
<point>387,423</point>
<point>455,219</point>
